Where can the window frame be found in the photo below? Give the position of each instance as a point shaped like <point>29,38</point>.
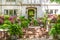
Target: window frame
<point>51,11</point>
<point>54,11</point>
<point>10,1</point>
<point>9,12</point>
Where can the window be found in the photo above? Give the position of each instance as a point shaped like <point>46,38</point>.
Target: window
<point>47,11</point>
<point>55,11</point>
<point>15,12</point>
<point>51,11</point>
<point>6,12</point>
<point>10,12</point>
<point>10,0</point>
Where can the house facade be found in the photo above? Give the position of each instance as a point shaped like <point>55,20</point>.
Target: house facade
<point>28,8</point>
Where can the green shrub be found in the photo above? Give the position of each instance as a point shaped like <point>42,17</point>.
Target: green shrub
<point>44,20</point>
<point>35,23</point>
<point>58,28</point>
<point>22,18</point>
<point>15,29</point>
<point>5,26</point>
<point>55,29</point>
<point>52,31</point>
<point>7,22</point>
<point>24,24</point>
<point>58,20</point>
<point>6,17</point>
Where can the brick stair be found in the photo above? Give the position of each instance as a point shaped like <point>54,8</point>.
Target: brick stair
<point>28,33</point>
<point>34,32</point>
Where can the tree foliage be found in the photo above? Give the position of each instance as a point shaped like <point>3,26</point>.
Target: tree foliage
<point>57,1</point>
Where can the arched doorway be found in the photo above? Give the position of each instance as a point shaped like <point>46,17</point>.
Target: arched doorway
<point>31,13</point>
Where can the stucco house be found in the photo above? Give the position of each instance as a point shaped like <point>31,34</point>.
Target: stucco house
<point>28,8</point>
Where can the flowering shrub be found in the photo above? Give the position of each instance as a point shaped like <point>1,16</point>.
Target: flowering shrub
<point>7,22</point>
<point>6,17</point>
<point>12,19</point>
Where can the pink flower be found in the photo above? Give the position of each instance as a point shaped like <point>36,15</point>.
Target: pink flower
<point>12,18</point>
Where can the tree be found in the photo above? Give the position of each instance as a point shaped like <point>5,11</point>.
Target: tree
<point>57,1</point>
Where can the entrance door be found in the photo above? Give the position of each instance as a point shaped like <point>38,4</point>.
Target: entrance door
<point>30,14</point>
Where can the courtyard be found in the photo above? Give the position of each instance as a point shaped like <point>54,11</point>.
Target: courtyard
<point>29,19</point>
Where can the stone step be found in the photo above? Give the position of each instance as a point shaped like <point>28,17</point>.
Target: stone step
<point>34,32</point>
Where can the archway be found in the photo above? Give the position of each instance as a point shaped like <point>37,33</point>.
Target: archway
<point>31,13</point>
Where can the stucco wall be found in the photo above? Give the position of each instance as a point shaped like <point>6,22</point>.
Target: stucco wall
<point>40,11</point>
<point>26,2</point>
<point>55,7</point>
<point>22,10</point>
<point>4,2</point>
